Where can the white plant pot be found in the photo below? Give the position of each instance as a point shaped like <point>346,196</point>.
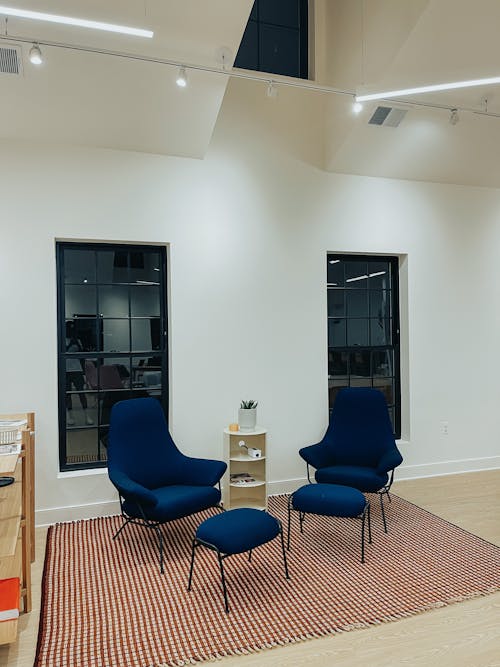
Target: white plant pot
<point>247,419</point>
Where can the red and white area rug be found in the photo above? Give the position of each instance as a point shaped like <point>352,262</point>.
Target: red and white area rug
<point>105,603</point>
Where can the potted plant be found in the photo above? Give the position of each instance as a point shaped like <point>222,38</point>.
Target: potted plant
<point>247,415</point>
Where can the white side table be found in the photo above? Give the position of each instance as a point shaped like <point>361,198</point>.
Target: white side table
<point>240,493</point>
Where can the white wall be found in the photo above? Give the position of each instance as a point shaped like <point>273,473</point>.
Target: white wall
<point>248,229</point>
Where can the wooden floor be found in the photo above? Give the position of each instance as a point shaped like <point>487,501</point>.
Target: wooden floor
<point>461,635</point>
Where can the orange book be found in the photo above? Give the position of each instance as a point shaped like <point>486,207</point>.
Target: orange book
<point>9,599</point>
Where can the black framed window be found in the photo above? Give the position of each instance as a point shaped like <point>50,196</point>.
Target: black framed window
<point>275,39</point>
<point>363,327</point>
<point>112,340</point>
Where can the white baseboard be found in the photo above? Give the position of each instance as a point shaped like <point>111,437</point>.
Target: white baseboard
<point>51,515</point>
<point>447,468</point>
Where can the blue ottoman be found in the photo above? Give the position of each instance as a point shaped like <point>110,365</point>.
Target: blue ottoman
<point>330,500</point>
<point>234,532</point>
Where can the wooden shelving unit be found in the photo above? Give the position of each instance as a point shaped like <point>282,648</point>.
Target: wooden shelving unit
<point>17,526</point>
<point>250,494</point>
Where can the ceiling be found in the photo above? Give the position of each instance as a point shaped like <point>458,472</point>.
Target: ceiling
<point>360,45</point>
<point>100,100</point>
<point>423,42</point>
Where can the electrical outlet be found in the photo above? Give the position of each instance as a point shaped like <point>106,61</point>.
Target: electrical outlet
<point>444,428</point>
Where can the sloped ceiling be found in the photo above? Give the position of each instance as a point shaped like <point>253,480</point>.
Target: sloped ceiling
<point>436,41</point>
<point>105,101</point>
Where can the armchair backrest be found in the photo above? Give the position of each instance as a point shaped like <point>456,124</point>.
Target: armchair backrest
<point>360,429</point>
<point>140,444</point>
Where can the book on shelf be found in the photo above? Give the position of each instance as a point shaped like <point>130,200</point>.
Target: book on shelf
<point>9,599</point>
<point>242,478</point>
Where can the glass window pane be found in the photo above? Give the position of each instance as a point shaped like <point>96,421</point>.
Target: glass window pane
<point>113,301</point>
<point>338,363</point>
<point>112,266</point>
<point>361,382</point>
<point>145,267</point>
<point>356,275</point>
<point>334,386</point>
<point>380,303</point>
<point>335,272</point>
<point>336,303</point>
<point>115,335</point>
<point>336,333</point>
<point>106,401</point>
<point>146,334</point>
<point>114,373</point>
<point>357,332</point>
<point>360,363</point>
<point>386,386</point>
<point>144,301</point>
<point>379,275</point>
<point>382,361</point>
<point>82,446</point>
<point>380,332</point>
<point>81,335</point>
<point>79,266</point>
<point>146,371</point>
<point>81,405</point>
<point>357,303</point>
<point>80,300</point>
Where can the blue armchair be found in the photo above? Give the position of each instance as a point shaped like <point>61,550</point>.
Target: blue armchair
<point>358,449</point>
<point>155,481</point>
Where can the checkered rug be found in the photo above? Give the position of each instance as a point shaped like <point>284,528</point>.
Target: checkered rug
<point>105,603</point>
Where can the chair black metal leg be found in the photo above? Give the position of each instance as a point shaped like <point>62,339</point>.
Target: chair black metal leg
<point>289,522</point>
<point>250,555</point>
<point>363,518</point>
<point>369,523</point>
<point>226,606</point>
<point>120,529</point>
<point>389,496</point>
<point>160,542</point>
<point>287,575</point>
<point>191,568</point>
<point>383,511</point>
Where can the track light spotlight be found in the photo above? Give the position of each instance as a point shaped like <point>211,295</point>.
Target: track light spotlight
<point>357,107</point>
<point>454,117</point>
<point>35,55</point>
<point>181,80</point>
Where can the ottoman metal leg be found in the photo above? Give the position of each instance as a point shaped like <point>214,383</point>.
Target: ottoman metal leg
<point>191,568</point>
<point>287,575</point>
<point>224,590</point>
<point>383,511</point>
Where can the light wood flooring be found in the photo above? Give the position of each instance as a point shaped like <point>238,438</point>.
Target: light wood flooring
<point>461,635</point>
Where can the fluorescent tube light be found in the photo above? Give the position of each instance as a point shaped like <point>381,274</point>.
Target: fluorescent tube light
<point>353,280</point>
<point>68,20</point>
<point>378,273</point>
<point>334,261</point>
<point>428,89</point>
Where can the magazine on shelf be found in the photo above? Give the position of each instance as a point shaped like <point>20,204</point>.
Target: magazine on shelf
<point>8,450</point>
<point>242,478</point>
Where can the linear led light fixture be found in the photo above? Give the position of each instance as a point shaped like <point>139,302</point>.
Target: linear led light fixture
<point>68,20</point>
<point>369,275</point>
<point>428,89</point>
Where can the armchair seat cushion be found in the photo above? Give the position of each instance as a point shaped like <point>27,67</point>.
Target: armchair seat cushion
<point>358,477</point>
<point>238,530</point>
<point>177,501</point>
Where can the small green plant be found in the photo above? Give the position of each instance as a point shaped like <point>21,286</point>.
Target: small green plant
<point>248,405</point>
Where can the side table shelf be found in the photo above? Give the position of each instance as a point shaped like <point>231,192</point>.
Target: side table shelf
<point>17,527</point>
<point>250,493</point>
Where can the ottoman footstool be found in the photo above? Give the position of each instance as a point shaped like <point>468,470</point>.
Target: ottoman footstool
<point>330,500</point>
<point>234,532</point>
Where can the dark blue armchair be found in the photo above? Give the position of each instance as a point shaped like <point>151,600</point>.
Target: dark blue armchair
<point>358,449</point>
<point>155,481</point>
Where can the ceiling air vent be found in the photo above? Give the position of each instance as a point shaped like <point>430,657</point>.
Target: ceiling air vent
<point>387,116</point>
<point>10,59</point>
